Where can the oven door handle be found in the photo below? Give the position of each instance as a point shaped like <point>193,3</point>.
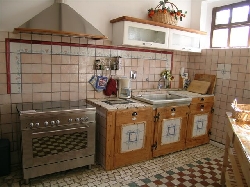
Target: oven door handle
<point>68,129</point>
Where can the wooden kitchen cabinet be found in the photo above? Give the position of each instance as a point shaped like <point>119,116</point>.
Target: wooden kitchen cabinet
<point>133,136</point>
<point>170,129</point>
<point>124,137</point>
<point>199,121</point>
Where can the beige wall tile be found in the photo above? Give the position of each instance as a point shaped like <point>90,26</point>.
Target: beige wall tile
<point>46,59</point>
<point>37,97</point>
<point>56,59</point>
<point>65,96</point>
<point>27,97</point>
<point>16,98</point>
<point>36,78</point>
<point>36,58</point>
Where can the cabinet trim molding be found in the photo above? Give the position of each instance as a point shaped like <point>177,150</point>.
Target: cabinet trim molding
<point>127,18</point>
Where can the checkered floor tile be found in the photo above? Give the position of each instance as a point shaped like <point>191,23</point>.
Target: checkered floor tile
<point>198,167</point>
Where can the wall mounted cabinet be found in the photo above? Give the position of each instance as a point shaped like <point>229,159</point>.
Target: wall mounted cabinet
<point>184,41</point>
<point>150,34</point>
<point>138,34</point>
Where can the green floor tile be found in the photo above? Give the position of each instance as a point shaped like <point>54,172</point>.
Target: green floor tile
<point>170,172</point>
<point>207,159</point>
<point>199,162</point>
<point>158,176</point>
<point>190,165</point>
<point>180,168</point>
<point>146,181</point>
<point>133,184</point>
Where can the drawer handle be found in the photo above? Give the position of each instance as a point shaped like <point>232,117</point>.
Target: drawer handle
<point>134,114</point>
<point>202,99</point>
<point>147,44</point>
<point>202,107</point>
<point>173,109</point>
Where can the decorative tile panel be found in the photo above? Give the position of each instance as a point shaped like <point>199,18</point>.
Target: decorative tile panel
<point>171,130</point>
<point>133,137</point>
<point>200,125</point>
<point>223,71</point>
<point>17,46</point>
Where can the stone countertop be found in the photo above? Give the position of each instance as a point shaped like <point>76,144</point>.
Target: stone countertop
<point>170,91</point>
<point>113,103</point>
<point>242,131</point>
<point>117,103</point>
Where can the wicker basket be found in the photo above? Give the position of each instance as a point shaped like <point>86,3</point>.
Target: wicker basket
<point>241,112</point>
<point>164,16</point>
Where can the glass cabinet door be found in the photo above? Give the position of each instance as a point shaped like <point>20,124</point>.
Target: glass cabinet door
<point>146,35</point>
<point>139,34</point>
<point>185,41</point>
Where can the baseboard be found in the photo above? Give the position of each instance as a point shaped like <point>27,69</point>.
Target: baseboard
<point>217,144</point>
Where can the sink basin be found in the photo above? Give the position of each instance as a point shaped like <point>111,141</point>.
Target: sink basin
<point>162,98</point>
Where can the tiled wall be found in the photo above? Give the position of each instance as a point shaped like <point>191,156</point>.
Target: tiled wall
<point>41,72</point>
<point>232,67</point>
<point>51,76</point>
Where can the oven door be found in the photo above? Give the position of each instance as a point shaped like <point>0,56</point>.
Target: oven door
<point>56,144</point>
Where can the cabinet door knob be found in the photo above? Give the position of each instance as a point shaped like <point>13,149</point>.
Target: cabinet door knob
<point>134,114</point>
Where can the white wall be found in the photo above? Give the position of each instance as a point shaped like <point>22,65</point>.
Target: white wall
<point>13,13</point>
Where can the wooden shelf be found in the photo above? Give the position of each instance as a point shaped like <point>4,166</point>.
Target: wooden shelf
<point>127,18</point>
<point>62,33</point>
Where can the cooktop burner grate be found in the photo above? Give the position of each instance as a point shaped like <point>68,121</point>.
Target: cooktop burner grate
<point>118,101</point>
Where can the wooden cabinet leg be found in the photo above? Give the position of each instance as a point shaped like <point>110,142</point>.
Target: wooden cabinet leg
<point>225,162</point>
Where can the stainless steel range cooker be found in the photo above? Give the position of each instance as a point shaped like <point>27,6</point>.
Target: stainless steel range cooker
<point>56,136</point>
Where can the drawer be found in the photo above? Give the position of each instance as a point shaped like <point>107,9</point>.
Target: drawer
<point>175,111</point>
<point>209,99</point>
<point>134,115</point>
<point>201,107</point>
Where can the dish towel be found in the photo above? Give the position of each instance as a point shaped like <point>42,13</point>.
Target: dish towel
<point>110,88</point>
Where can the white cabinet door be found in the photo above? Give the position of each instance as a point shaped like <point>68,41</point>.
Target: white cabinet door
<point>184,41</point>
<point>139,34</point>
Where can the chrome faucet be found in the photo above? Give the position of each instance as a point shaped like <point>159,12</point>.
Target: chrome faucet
<point>160,85</point>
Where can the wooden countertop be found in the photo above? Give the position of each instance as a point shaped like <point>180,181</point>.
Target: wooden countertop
<point>127,18</point>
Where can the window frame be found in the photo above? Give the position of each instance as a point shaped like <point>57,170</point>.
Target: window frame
<point>230,25</point>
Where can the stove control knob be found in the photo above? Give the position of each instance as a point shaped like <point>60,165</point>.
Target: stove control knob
<point>77,119</point>
<point>84,119</point>
<point>70,120</point>
<point>31,125</point>
<point>46,123</point>
<point>58,122</point>
<point>37,124</point>
<point>52,123</point>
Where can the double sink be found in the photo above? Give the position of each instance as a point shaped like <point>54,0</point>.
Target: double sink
<point>163,98</point>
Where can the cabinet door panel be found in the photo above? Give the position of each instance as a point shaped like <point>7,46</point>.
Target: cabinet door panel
<point>133,136</point>
<point>170,130</point>
<point>199,124</point>
<point>184,41</point>
<point>139,34</point>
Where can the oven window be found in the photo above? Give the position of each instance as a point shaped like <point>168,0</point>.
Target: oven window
<point>51,145</point>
